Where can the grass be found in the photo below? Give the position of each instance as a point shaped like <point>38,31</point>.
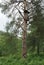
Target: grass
<point>17,60</point>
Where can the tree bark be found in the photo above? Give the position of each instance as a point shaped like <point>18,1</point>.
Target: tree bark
<point>24,47</point>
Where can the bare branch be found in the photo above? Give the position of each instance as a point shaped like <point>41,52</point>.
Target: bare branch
<point>20,26</point>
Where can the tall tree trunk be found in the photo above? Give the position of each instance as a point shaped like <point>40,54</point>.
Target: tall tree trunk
<point>24,47</point>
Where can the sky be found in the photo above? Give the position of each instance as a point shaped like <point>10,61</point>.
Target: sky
<point>3,21</point>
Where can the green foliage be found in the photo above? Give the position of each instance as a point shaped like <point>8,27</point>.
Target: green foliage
<point>34,43</point>
<point>31,42</point>
<point>16,60</point>
<point>36,38</point>
<point>8,44</point>
<point>11,47</point>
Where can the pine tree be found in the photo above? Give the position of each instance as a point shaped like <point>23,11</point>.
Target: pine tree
<point>10,8</point>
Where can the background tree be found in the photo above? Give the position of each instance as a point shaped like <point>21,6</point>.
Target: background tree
<point>37,25</point>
